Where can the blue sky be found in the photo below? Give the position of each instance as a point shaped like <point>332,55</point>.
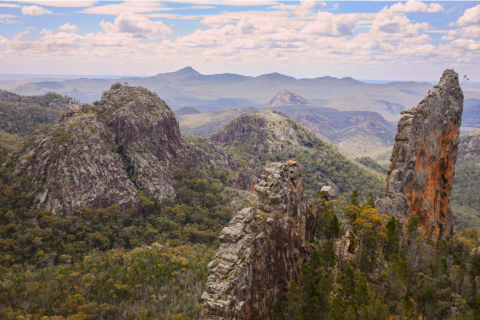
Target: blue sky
<point>366,40</point>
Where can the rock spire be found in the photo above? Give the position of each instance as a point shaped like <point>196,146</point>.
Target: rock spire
<point>262,249</point>
<point>423,160</point>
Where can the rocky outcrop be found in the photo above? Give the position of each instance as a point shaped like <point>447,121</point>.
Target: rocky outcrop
<point>268,132</point>
<point>246,124</point>
<point>105,155</point>
<point>288,98</point>
<point>262,248</point>
<point>423,160</point>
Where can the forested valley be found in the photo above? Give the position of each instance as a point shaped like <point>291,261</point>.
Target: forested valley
<point>150,261</point>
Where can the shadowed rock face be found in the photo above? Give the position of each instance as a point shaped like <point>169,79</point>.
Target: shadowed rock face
<point>423,159</point>
<point>262,249</point>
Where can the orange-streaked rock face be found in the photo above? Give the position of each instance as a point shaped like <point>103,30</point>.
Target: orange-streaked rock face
<point>423,159</point>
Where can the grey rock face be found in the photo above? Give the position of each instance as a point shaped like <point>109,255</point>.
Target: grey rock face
<point>423,159</point>
<point>262,249</point>
<point>107,155</point>
<point>328,191</point>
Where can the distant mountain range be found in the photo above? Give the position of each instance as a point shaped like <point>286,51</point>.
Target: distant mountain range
<point>359,133</point>
<point>220,91</point>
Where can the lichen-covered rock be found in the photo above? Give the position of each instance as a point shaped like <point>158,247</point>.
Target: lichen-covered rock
<point>423,160</point>
<point>261,249</point>
<point>105,155</point>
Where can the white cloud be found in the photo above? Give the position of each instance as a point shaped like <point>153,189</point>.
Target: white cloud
<point>395,25</point>
<point>61,3</point>
<point>206,39</point>
<point>3,16</point>
<point>7,21</point>
<point>220,52</point>
<point>3,40</point>
<point>215,21</point>
<point>229,3</point>
<point>34,11</point>
<point>419,40</point>
<point>413,6</point>
<point>470,17</point>
<point>68,27</point>
<point>171,16</point>
<point>243,43</point>
<point>128,22</point>
<point>463,45</point>
<point>127,6</point>
<point>200,7</point>
<point>466,32</point>
<point>328,24</point>
<point>307,6</point>
<point>284,35</point>
<point>9,5</point>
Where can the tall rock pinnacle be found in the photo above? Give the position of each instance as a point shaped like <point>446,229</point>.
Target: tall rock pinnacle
<point>262,249</point>
<point>423,160</point>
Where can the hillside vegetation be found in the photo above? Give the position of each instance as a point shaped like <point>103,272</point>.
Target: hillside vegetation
<point>383,269</point>
<point>23,119</point>
<point>22,115</point>
<point>281,139</point>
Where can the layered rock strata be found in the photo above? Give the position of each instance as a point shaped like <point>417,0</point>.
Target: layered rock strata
<point>262,248</point>
<point>423,160</point>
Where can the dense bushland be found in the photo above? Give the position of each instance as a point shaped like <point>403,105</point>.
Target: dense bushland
<point>371,267</point>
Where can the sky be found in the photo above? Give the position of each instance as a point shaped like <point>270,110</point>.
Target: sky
<point>365,40</point>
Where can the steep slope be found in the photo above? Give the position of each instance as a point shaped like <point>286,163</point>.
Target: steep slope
<point>423,159</point>
<point>105,155</point>
<point>269,136</point>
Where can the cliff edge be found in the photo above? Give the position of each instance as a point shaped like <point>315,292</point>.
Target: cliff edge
<point>262,249</point>
<point>422,166</point>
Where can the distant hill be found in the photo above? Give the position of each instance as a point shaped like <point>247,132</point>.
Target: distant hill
<point>287,98</point>
<point>182,73</point>
<point>185,110</point>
